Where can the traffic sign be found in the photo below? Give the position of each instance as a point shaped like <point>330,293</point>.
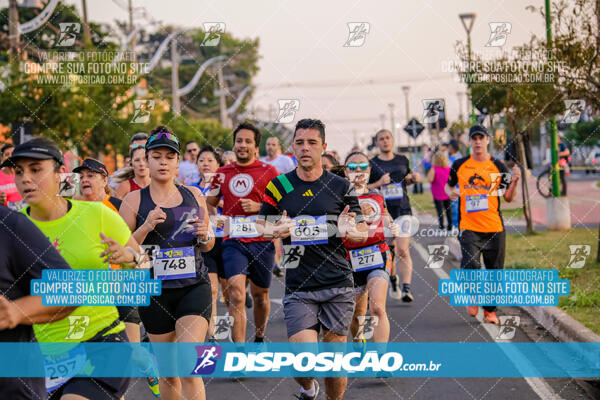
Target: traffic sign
<point>414,128</point>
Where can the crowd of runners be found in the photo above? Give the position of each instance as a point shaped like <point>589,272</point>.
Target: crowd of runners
<point>334,227</point>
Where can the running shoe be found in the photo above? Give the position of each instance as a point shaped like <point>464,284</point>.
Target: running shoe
<point>407,296</point>
<point>261,347</point>
<point>394,291</point>
<point>360,346</point>
<point>304,396</point>
<point>277,271</point>
<point>473,310</point>
<point>151,373</point>
<point>490,317</point>
<point>384,375</point>
<point>248,300</point>
<point>153,385</point>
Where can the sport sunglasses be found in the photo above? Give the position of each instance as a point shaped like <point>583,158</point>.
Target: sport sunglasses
<point>354,166</point>
<point>135,146</point>
<point>161,134</point>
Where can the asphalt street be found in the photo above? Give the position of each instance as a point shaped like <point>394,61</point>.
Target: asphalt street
<point>430,318</point>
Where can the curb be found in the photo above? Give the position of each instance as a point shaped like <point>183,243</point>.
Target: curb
<point>567,329</point>
<point>561,325</point>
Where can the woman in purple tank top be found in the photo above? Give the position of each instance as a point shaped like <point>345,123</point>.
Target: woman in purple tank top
<point>438,176</point>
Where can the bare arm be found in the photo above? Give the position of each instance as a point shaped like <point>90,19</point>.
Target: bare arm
<point>511,191</point>
<point>122,190</point>
<point>411,178</point>
<point>453,193</point>
<point>213,201</point>
<point>384,180</point>
<point>358,235</point>
<point>28,310</point>
<point>128,211</point>
<point>205,224</point>
<point>431,175</point>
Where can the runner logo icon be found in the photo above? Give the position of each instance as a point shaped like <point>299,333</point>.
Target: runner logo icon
<point>508,326</point>
<point>223,324</point>
<point>357,33</point>
<point>68,33</point>
<point>437,255</point>
<point>579,253</point>
<point>287,110</point>
<point>499,32</point>
<point>77,326</point>
<point>207,359</point>
<point>292,255</point>
<point>213,32</point>
<point>367,324</point>
<point>499,183</point>
<point>431,110</point>
<point>574,110</point>
<point>142,110</point>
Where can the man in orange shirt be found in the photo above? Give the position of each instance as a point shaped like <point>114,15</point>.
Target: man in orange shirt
<point>481,180</point>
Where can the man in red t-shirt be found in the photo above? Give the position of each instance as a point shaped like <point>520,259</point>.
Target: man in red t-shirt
<point>8,191</point>
<point>245,253</point>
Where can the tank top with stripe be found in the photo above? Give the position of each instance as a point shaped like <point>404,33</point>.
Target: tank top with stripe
<point>171,233</point>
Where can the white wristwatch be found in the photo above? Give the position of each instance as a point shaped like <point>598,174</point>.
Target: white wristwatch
<point>136,256</point>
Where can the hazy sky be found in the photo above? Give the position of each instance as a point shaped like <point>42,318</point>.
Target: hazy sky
<point>301,45</point>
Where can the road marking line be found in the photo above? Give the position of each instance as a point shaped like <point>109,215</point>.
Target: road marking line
<point>277,301</point>
<point>538,385</point>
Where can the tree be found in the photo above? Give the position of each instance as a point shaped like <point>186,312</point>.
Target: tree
<point>98,118</point>
<point>241,65</point>
<point>585,133</point>
<point>46,37</point>
<point>576,46</point>
<point>520,86</point>
<point>73,112</point>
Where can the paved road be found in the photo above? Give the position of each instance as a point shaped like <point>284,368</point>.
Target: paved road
<point>429,319</point>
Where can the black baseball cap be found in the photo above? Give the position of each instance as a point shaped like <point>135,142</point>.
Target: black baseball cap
<point>38,148</point>
<point>478,129</point>
<point>92,165</point>
<point>163,139</point>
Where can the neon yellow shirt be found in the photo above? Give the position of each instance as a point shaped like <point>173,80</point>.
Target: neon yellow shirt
<point>76,236</point>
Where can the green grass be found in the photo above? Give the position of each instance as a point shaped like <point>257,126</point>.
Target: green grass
<point>512,213</point>
<point>544,250</point>
<point>422,202</point>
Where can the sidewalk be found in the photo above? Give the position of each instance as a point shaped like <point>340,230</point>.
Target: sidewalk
<point>584,199</point>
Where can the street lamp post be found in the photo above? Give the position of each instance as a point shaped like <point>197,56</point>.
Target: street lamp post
<point>392,124</point>
<point>460,109</point>
<point>405,90</point>
<point>382,121</point>
<point>467,20</point>
<point>175,77</point>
